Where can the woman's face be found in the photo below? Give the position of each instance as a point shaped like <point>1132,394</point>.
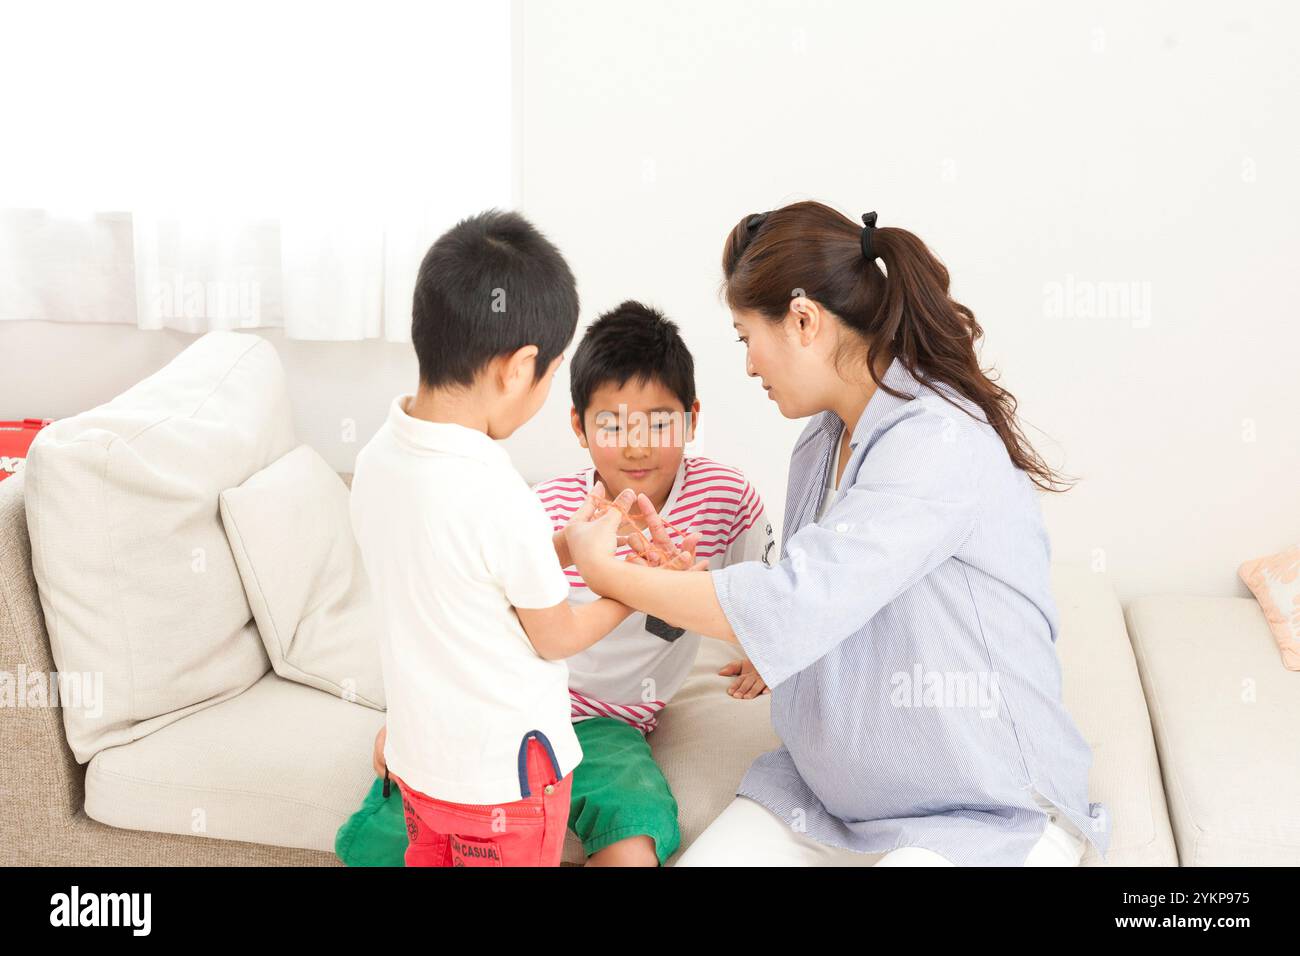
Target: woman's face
<point>789,365</point>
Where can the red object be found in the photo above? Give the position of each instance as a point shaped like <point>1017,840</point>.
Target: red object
<point>527,832</point>
<point>15,439</point>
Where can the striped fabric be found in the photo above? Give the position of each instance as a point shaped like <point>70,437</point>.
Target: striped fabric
<point>609,679</point>
<point>908,638</point>
<point>641,716</point>
<point>715,500</point>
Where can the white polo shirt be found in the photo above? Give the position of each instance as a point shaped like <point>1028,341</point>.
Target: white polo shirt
<point>453,540</point>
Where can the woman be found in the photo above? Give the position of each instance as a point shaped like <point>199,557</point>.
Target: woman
<point>908,631</point>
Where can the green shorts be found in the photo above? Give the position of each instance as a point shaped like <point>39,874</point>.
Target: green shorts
<point>619,791</point>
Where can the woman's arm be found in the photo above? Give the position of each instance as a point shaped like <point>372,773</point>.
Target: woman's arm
<point>682,598</point>
<point>914,501</point>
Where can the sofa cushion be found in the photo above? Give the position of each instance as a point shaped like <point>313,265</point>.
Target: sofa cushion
<point>289,529</point>
<point>706,740</point>
<point>135,576</point>
<point>282,763</point>
<point>1224,710</point>
<point>1103,693</point>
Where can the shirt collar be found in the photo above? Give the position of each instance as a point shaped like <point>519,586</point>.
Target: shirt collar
<point>590,474</point>
<point>446,438</point>
<point>879,405</point>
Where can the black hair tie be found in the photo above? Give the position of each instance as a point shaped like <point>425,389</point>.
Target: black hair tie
<point>756,220</point>
<point>868,227</point>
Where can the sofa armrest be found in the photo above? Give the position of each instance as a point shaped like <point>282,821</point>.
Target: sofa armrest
<point>42,786</point>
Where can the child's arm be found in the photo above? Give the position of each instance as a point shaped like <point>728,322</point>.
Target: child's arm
<point>556,634</point>
<point>531,577</point>
<point>563,630</point>
<point>627,534</point>
<point>562,549</point>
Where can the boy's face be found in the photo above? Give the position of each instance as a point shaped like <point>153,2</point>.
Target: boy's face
<point>636,434</point>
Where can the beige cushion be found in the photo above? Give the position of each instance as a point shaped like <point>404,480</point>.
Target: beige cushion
<point>135,577</point>
<point>1103,694</point>
<point>291,535</point>
<point>281,763</point>
<point>1224,711</point>
<point>706,740</point>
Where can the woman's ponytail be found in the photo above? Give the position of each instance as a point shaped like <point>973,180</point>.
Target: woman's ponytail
<point>905,310</point>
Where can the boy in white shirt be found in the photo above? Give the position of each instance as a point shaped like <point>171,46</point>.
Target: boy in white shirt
<point>459,553</point>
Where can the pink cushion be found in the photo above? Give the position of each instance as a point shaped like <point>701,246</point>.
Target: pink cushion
<point>1275,582</point>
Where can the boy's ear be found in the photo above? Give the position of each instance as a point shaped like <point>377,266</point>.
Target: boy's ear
<point>692,419</point>
<point>578,430</point>
<point>515,373</point>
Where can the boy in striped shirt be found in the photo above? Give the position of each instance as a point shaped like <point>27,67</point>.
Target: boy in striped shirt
<point>632,382</point>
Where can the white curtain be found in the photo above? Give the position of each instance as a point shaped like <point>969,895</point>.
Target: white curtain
<point>245,165</point>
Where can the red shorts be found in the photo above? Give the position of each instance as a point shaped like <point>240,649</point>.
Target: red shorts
<point>526,832</point>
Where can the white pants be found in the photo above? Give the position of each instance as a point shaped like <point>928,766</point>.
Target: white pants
<point>749,834</point>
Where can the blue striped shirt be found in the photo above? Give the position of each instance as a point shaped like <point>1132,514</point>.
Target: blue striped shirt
<point>909,638</point>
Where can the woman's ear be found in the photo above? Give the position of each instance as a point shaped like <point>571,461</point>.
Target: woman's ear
<point>807,317</point>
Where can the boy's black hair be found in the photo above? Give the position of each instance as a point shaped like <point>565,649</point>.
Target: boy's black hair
<point>631,341</point>
<point>490,285</point>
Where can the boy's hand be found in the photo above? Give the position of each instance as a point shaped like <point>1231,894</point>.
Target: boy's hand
<point>747,684</point>
<point>664,552</point>
<point>629,532</point>
<point>380,765</point>
<point>591,536</point>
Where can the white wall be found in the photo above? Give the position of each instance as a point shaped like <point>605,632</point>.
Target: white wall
<point>1026,143</point>
<point>1034,148</point>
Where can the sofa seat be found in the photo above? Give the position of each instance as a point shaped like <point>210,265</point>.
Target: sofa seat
<point>281,764</point>
<point>286,765</point>
<point>1223,709</point>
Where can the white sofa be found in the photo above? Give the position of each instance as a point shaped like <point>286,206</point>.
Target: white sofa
<point>268,772</point>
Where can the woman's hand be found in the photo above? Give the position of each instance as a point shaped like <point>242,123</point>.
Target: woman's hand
<point>747,684</point>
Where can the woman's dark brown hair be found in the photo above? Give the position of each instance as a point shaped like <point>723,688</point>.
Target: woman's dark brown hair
<point>904,312</point>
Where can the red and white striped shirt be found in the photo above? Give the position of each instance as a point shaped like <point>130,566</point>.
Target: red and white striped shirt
<point>632,673</point>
